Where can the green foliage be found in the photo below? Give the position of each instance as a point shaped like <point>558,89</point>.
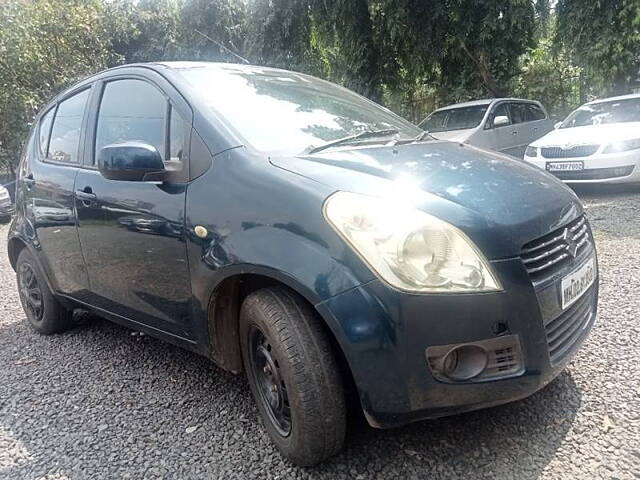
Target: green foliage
<point>604,37</point>
<point>44,45</point>
<point>549,76</point>
<point>412,55</point>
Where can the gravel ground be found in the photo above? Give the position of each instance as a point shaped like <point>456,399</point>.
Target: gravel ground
<point>104,402</point>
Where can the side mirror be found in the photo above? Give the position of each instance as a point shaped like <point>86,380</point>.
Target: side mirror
<point>131,161</point>
<point>500,121</point>
<point>557,125</point>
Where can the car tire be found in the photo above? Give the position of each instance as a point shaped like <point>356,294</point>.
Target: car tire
<point>44,313</point>
<point>293,375</point>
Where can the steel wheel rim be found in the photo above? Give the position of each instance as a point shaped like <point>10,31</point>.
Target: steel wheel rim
<point>30,292</point>
<point>269,382</point>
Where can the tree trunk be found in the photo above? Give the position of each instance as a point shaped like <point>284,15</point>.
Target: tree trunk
<point>483,65</point>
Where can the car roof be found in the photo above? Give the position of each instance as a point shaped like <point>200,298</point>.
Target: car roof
<point>613,99</point>
<point>240,67</point>
<point>484,101</point>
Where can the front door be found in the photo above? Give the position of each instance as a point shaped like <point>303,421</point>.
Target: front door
<point>132,232</point>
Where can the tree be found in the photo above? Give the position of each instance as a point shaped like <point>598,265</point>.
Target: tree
<point>44,46</point>
<point>484,41</point>
<point>212,30</point>
<point>604,38</point>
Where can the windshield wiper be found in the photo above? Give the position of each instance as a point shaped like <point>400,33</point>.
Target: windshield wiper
<point>350,138</point>
<point>424,135</point>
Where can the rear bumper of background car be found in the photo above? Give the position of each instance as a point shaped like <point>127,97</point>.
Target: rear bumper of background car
<point>392,340</point>
<point>621,167</point>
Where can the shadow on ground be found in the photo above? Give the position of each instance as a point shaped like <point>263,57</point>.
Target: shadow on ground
<point>102,401</point>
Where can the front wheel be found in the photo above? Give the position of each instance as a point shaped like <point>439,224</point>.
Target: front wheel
<point>293,374</point>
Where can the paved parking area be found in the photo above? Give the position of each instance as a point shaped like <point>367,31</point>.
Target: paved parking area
<point>103,402</point>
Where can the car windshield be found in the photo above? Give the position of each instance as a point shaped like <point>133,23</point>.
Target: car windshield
<point>454,118</point>
<point>286,112</point>
<point>617,111</point>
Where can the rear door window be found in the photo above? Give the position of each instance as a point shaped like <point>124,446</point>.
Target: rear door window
<point>535,112</point>
<point>65,133</point>
<point>44,130</point>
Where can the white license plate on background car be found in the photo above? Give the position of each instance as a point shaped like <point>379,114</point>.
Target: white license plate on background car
<point>564,166</point>
<point>576,283</point>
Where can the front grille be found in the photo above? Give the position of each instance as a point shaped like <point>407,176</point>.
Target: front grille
<point>546,255</point>
<point>594,173</point>
<point>564,331</point>
<point>573,152</point>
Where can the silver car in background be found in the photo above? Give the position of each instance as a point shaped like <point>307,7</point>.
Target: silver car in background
<point>6,206</point>
<point>506,125</point>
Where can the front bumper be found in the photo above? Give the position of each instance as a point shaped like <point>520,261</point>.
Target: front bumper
<point>611,168</point>
<point>385,335</point>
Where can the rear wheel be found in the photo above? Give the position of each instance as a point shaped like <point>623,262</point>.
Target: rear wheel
<point>293,375</point>
<point>43,311</point>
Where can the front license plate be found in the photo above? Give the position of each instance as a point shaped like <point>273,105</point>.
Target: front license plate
<point>564,166</point>
<point>576,283</point>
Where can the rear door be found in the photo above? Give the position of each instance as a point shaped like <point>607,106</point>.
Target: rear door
<point>132,233</point>
<point>541,124</point>
<point>505,137</point>
<point>522,121</point>
<point>46,189</point>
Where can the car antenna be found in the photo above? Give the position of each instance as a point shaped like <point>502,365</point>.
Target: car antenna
<point>222,46</point>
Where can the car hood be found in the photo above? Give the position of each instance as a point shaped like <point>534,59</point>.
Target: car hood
<point>589,135</point>
<point>454,135</point>
<point>498,201</point>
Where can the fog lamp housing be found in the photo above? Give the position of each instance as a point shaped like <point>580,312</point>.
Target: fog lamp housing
<point>482,360</point>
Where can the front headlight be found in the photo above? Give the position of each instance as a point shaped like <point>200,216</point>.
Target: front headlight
<point>531,152</point>
<point>409,249</point>
<point>4,193</point>
<point>622,146</point>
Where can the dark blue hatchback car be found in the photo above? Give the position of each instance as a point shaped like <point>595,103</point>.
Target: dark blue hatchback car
<point>289,228</point>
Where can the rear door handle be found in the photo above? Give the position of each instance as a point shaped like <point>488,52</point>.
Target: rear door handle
<point>515,132</point>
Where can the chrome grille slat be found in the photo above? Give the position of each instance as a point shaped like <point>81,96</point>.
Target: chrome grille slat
<point>545,255</point>
<point>548,264</point>
<point>542,245</point>
<point>580,233</point>
<point>578,225</point>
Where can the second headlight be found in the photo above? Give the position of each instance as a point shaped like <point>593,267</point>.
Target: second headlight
<point>408,248</point>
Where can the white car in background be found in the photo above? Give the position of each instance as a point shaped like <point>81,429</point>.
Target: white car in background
<point>505,125</point>
<point>597,143</point>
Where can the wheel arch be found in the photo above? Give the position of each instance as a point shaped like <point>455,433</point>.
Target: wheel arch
<point>14,246</point>
<point>223,313</point>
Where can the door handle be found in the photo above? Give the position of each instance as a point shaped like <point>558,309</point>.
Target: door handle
<point>515,132</point>
<point>86,195</point>
<point>29,181</point>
